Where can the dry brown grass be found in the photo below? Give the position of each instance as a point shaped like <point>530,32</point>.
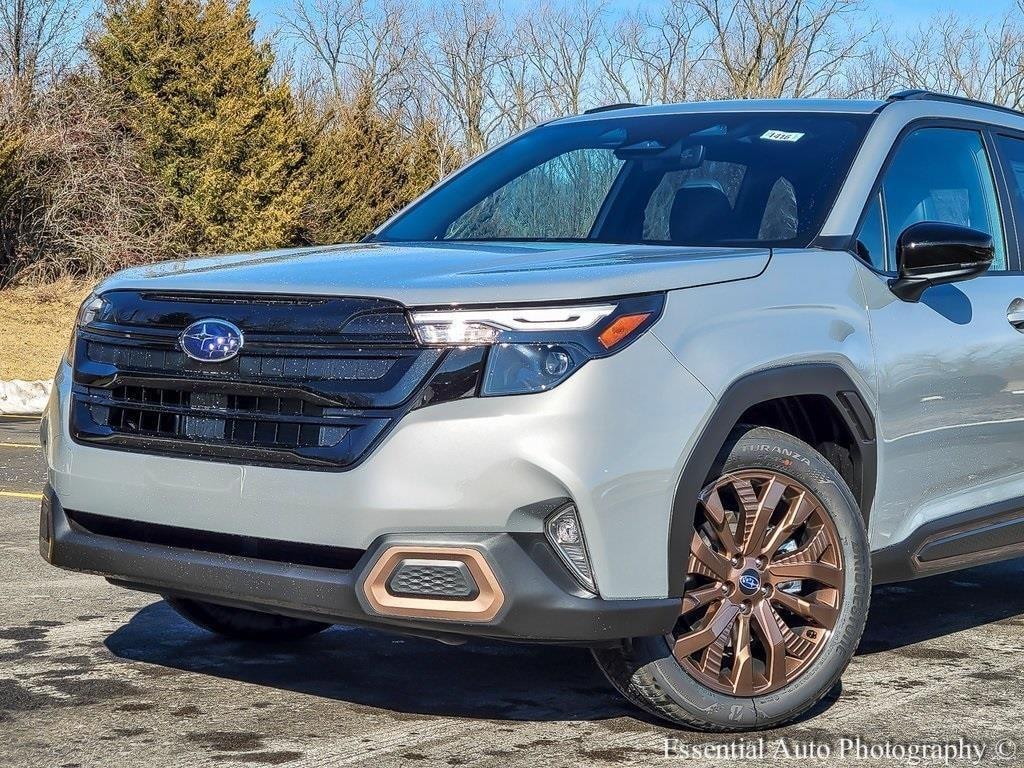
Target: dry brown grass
<point>35,325</point>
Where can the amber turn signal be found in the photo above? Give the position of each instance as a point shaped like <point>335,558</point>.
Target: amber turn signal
<point>621,329</point>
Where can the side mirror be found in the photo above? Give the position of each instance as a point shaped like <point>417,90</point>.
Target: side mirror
<point>932,253</point>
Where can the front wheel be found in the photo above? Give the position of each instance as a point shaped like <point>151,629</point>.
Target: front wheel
<point>777,593</point>
<point>242,624</point>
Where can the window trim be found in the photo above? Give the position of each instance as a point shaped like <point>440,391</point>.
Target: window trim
<point>995,162</point>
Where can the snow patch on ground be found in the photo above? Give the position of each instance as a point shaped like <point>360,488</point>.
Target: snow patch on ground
<point>24,397</point>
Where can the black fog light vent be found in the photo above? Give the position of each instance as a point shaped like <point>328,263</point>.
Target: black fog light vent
<point>438,579</point>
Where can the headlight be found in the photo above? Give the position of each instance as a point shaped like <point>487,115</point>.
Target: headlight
<point>514,369</point>
<point>533,349</point>
<point>92,308</point>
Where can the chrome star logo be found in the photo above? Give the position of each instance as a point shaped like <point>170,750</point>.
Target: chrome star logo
<point>211,340</point>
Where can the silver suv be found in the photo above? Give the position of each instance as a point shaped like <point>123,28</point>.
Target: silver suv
<point>675,383</point>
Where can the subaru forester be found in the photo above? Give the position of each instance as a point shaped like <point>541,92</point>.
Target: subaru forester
<point>674,383</point>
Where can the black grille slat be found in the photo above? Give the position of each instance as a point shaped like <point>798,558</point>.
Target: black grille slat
<point>283,422</point>
<point>247,365</point>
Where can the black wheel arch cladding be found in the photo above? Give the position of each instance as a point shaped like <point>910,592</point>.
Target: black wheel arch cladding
<point>827,380</point>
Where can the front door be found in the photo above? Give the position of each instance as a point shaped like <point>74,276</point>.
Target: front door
<point>950,367</point>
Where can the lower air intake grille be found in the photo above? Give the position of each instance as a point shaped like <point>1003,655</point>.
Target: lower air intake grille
<point>450,580</point>
<point>340,558</point>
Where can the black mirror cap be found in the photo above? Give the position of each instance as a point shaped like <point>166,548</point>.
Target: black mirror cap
<point>932,253</point>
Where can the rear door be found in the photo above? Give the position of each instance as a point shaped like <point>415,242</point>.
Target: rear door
<point>950,367</point>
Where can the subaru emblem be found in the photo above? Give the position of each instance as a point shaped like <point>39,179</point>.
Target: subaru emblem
<point>750,582</point>
<point>211,340</point>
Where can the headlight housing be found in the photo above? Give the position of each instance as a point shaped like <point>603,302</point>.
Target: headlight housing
<point>92,308</point>
<point>533,349</point>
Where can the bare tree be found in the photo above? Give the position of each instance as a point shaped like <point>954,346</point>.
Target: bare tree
<point>82,203</point>
<point>37,40</point>
<point>964,56</point>
<point>359,47</point>
<point>657,55</point>
<point>520,85</point>
<point>428,117</point>
<point>465,49</point>
<point>873,74</point>
<point>777,48</point>
<point>562,42</point>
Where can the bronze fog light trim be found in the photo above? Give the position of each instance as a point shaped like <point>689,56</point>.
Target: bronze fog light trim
<point>482,608</point>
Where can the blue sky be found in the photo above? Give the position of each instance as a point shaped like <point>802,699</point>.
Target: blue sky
<point>901,13</point>
<point>910,13</point>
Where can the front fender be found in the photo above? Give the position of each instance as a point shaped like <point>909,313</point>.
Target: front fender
<point>825,379</point>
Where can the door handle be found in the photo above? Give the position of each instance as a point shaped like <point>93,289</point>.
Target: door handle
<point>1015,314</point>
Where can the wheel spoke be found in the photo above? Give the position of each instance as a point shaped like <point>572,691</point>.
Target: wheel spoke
<point>720,622</point>
<point>756,520</point>
<point>799,510</point>
<point>810,552</point>
<point>774,643</point>
<point>716,515</point>
<point>742,677</point>
<point>697,598</point>
<point>748,502</point>
<point>822,614</point>
<point>782,573</point>
<point>704,561</point>
<point>711,659</point>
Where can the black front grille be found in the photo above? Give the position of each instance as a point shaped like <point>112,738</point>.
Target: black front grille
<point>317,383</point>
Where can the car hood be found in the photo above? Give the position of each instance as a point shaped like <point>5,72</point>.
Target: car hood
<point>430,274</point>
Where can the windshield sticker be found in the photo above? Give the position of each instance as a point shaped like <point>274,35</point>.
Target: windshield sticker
<point>781,136</point>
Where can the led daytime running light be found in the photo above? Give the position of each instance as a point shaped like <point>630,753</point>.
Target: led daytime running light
<point>483,326</point>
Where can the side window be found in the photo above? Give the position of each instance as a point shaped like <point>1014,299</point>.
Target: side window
<point>942,174</point>
<point>871,240</point>
<point>579,180</point>
<point>1012,152</point>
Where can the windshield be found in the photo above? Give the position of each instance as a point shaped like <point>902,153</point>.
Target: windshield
<point>717,179</point>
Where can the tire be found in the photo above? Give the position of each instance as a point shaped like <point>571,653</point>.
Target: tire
<point>752,689</point>
<point>242,624</point>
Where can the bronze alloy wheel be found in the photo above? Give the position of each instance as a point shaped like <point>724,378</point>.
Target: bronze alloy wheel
<point>764,587</point>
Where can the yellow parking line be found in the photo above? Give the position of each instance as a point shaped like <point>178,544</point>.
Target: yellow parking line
<point>20,495</point>
<point>19,445</point>
<point>18,416</point>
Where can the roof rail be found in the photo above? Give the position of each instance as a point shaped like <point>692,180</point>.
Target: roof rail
<point>917,94</point>
<point>610,107</point>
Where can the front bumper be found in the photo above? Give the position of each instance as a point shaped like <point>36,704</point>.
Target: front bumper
<point>613,438</point>
<point>541,602</point>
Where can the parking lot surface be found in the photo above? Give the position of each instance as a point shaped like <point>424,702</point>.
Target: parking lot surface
<point>92,675</point>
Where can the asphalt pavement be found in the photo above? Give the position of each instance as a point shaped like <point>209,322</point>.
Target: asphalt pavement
<point>93,675</point>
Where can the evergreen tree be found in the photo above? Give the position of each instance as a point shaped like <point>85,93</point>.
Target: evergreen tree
<point>216,129</point>
<point>363,167</point>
